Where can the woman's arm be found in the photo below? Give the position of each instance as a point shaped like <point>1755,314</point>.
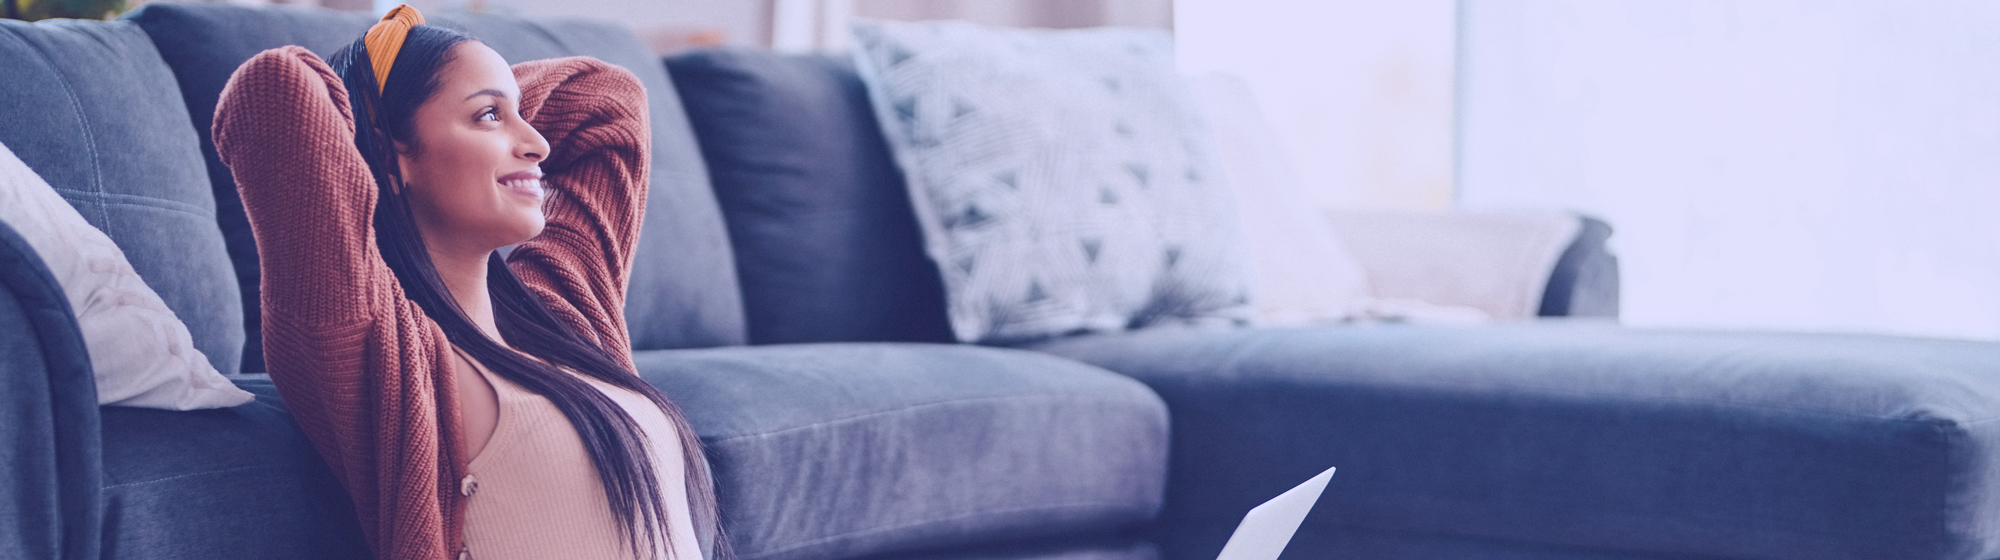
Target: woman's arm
<point>594,117</point>
<point>356,362</point>
<point>284,128</point>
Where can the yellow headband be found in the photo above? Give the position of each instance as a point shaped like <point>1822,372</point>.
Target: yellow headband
<point>385,39</point>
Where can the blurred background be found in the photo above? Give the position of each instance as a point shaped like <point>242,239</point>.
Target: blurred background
<point>1825,165</point>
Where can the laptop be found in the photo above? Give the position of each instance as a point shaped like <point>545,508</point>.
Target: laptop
<point>1269,527</point>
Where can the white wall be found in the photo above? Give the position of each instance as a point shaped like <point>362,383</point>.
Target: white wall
<point>1360,91</point>
<point>1818,164</point>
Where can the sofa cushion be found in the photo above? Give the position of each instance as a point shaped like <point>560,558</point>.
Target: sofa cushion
<point>1063,179</point>
<point>90,107</point>
<point>219,483</point>
<point>826,243</point>
<point>820,451</point>
<point>1740,445</point>
<point>1117,547</point>
<point>203,44</point>
<point>683,287</point>
<point>1301,272</point>
<point>846,450</point>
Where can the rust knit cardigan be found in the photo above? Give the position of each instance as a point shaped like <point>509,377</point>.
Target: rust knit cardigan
<point>365,372</point>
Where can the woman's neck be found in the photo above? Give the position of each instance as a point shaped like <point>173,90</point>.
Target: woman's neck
<point>465,275</point>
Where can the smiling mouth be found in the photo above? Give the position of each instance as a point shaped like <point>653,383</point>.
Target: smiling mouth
<point>524,187</point>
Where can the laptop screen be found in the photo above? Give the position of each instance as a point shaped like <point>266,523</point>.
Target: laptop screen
<point>1269,527</point>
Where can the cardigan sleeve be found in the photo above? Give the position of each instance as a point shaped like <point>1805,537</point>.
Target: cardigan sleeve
<point>284,128</point>
<point>361,368</point>
<point>593,115</point>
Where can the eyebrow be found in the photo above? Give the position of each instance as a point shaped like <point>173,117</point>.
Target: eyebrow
<point>487,91</point>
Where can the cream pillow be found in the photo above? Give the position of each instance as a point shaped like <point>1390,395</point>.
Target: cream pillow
<point>141,353</point>
<point>1300,272</point>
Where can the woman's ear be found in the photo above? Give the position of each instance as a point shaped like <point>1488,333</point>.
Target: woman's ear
<point>400,158</point>
<point>404,149</point>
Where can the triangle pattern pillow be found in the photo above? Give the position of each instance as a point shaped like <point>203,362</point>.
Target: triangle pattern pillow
<point>1064,180</point>
<point>140,351</point>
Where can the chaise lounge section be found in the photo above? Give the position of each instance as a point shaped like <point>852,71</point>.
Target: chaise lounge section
<point>1565,439</point>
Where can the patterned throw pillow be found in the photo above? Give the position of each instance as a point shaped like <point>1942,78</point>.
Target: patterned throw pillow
<point>1064,180</point>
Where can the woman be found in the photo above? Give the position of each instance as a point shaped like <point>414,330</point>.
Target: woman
<point>473,405</point>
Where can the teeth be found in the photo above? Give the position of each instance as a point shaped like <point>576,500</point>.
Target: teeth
<point>533,184</point>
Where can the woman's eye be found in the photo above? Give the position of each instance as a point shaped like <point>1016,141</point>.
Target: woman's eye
<point>489,115</point>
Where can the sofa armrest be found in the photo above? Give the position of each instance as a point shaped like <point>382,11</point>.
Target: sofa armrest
<point>52,472</point>
<point>1584,282</point>
<point>1510,264</point>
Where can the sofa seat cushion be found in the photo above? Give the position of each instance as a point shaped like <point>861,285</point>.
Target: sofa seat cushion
<point>1740,445</point>
<point>1114,547</point>
<point>221,483</point>
<point>847,450</point>
<point>820,451</point>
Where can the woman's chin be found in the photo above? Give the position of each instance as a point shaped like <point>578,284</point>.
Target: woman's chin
<point>534,230</point>
<point>524,229</point>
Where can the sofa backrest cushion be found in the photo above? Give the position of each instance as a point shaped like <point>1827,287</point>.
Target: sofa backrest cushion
<point>827,246</point>
<point>202,52</point>
<point>91,108</point>
<point>683,291</point>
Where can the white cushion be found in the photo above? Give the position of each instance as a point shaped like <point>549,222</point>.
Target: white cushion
<point>1496,262</point>
<point>141,353</point>
<point>1301,274</point>
<point>1063,180</point>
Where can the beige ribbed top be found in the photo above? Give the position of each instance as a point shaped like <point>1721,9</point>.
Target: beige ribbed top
<point>533,495</point>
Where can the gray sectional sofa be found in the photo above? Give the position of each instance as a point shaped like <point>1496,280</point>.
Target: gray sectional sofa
<point>781,297</point>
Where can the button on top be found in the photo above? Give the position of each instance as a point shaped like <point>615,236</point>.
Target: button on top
<point>467,487</point>
<point>465,554</point>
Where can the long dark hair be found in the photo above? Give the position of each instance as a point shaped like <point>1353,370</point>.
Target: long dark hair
<point>539,342</point>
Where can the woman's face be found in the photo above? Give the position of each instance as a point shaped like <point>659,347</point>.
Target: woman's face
<point>472,174</point>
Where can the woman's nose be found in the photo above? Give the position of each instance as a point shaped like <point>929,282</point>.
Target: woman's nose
<point>532,145</point>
